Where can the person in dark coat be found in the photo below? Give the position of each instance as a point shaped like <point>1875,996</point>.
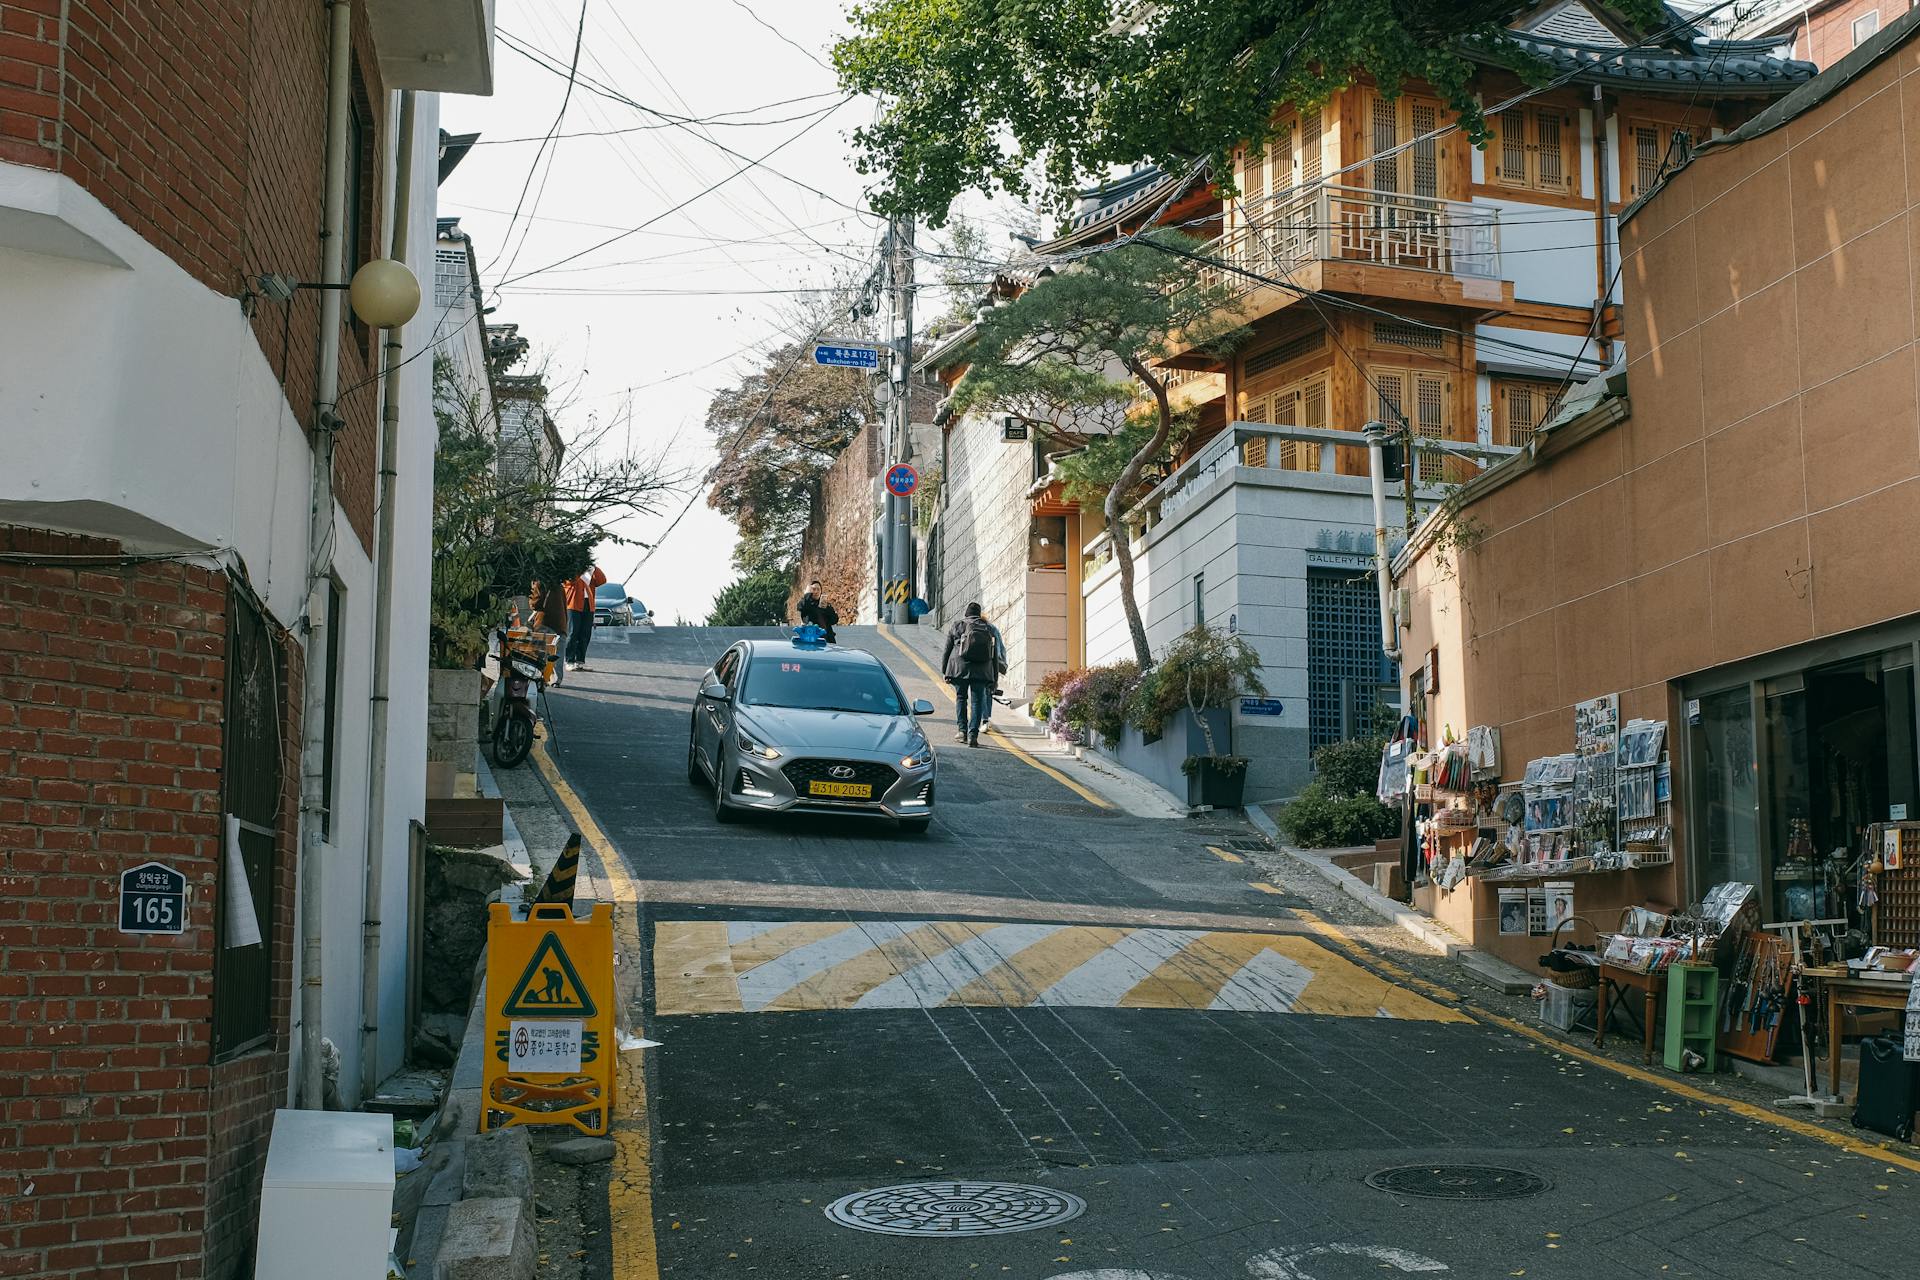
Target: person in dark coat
<point>973,661</point>
<point>817,612</point>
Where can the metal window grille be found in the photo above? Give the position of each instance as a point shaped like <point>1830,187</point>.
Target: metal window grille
<point>1425,121</point>
<point>1386,134</point>
<point>1548,155</point>
<point>1646,158</point>
<point>1511,165</point>
<point>1343,649</point>
<point>1431,420</point>
<point>250,792</point>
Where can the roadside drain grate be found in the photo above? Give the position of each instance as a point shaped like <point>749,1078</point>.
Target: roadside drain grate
<point>955,1209</point>
<point>1071,809</point>
<point>1459,1182</point>
<point>1249,844</point>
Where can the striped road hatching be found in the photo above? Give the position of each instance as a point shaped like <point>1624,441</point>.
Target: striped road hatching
<point>761,966</point>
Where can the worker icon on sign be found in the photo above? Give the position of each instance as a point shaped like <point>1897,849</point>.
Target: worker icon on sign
<point>556,986</point>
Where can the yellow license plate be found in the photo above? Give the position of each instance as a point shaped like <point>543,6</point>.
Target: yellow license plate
<point>843,790</point>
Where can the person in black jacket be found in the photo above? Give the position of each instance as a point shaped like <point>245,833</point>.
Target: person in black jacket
<point>812,609</point>
<point>973,661</point>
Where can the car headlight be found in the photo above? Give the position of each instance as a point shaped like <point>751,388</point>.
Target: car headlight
<point>753,748</point>
<point>920,758</point>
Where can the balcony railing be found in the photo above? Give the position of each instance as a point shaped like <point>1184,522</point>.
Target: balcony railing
<point>1265,448</point>
<point>1355,224</point>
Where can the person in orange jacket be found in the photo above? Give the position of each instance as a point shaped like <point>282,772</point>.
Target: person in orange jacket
<point>580,615</point>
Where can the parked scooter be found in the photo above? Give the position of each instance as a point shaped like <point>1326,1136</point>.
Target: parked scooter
<point>523,672</point>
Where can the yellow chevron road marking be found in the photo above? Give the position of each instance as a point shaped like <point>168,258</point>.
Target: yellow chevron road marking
<point>1022,976</point>
<point>1195,977</point>
<point>692,959</point>
<point>1223,855</point>
<point>764,948</point>
<point>703,967</point>
<point>842,986</point>
<point>1264,887</point>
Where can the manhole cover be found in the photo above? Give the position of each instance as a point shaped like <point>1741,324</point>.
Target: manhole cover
<point>1071,809</point>
<point>1458,1182</point>
<point>955,1209</point>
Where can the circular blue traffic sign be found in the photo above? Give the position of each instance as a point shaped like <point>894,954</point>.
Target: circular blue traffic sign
<point>902,479</point>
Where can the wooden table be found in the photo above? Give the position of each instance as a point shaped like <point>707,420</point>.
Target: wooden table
<point>1614,978</point>
<point>1861,993</point>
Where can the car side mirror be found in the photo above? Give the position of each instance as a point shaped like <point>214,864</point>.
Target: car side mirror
<point>717,692</point>
<point>921,707</point>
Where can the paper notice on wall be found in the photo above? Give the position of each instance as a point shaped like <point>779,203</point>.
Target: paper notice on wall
<point>243,926</point>
<point>1913,1022</point>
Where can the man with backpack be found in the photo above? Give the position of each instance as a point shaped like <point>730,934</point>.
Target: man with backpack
<point>974,659</point>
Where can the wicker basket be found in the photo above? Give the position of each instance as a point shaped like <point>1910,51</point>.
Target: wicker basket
<point>1574,974</point>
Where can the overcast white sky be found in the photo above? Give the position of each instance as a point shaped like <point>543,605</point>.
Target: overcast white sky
<point>718,270</point>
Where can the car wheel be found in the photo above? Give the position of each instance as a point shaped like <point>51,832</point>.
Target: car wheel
<point>722,811</point>
<point>915,826</point>
<point>695,777</point>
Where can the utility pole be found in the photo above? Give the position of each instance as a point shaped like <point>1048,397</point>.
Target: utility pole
<point>897,536</point>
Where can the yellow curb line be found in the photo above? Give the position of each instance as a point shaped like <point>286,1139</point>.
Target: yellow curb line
<point>1264,887</point>
<point>946,691</point>
<point>1668,1084</point>
<point>1223,855</point>
<point>635,1252</point>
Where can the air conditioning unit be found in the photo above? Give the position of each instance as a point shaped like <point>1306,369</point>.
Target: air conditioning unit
<point>327,1197</point>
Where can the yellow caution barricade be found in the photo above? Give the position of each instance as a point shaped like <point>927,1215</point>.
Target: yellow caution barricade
<point>550,1036</point>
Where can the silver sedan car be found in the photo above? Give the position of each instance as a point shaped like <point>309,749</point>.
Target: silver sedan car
<point>797,725</point>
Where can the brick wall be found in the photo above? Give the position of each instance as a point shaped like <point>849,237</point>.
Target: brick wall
<point>202,126</point>
<point>111,700</point>
<point>837,547</point>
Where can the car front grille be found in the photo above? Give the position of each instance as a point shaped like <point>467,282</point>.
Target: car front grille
<point>801,772</point>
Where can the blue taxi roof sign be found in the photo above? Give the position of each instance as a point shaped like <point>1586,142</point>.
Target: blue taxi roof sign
<point>809,636</point>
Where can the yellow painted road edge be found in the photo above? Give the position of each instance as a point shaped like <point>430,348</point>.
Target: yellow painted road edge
<point>1667,1083</point>
<point>940,683</point>
<point>635,1252</point>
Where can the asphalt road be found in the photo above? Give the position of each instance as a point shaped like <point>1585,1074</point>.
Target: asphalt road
<point>1075,1001</point>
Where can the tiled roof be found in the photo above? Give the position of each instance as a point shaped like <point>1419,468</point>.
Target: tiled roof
<point>1110,199</point>
<point>1709,62</point>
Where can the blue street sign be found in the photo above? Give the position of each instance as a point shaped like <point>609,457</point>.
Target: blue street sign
<point>1261,706</point>
<point>902,479</point>
<point>848,357</point>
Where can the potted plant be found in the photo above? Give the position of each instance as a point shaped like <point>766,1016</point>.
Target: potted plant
<point>1204,670</point>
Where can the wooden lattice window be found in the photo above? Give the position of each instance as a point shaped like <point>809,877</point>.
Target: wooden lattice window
<point>1425,399</point>
<point>1521,408</point>
<point>1298,404</point>
<point>1650,150</point>
<point>1391,123</point>
<point>1534,149</point>
<point>1310,159</point>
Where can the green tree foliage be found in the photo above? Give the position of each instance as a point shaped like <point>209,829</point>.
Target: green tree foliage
<point>757,599</point>
<point>1339,807</point>
<point>1046,355</point>
<point>495,531</point>
<point>1040,97</point>
<point>779,430</point>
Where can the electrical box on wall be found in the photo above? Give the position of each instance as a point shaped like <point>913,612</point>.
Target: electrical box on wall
<point>1402,607</point>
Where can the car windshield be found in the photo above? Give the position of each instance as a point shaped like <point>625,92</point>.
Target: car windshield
<point>611,593</point>
<point>811,682</point>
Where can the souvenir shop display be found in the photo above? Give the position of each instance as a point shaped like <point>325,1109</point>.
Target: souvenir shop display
<point>1895,871</point>
<point>1759,990</point>
<point>1595,814</point>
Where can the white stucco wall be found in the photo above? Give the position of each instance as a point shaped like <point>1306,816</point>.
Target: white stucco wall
<point>984,526</point>
<point>1253,533</point>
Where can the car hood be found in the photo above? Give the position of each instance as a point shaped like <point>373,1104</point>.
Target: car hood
<point>798,732</point>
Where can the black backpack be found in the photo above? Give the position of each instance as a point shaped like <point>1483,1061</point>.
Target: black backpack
<point>976,642</point>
